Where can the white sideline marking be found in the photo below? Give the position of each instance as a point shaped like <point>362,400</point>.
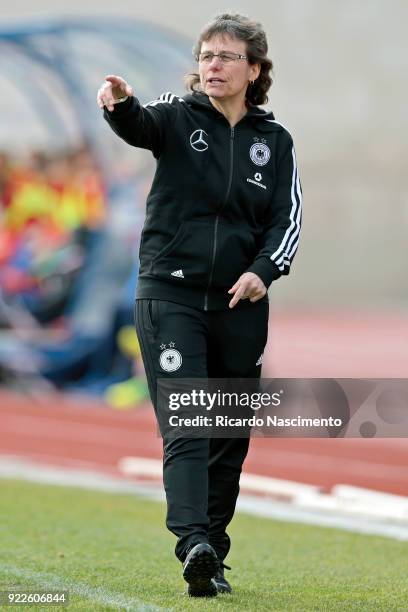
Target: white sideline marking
<point>359,493</point>
<point>344,499</point>
<point>138,466</point>
<point>94,594</point>
<point>357,506</point>
<point>289,513</point>
<point>23,469</point>
<point>276,486</point>
<point>16,467</point>
<point>375,503</point>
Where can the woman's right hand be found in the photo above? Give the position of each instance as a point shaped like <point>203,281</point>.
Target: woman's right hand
<point>112,89</point>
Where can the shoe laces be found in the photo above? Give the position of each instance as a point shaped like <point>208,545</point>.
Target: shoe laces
<point>220,573</point>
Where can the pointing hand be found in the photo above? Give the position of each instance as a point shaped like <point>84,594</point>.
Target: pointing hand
<point>249,285</point>
<point>113,88</point>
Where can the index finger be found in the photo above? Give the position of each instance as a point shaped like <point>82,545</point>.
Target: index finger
<point>238,295</point>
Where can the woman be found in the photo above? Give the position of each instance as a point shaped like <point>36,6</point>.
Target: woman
<point>222,222</point>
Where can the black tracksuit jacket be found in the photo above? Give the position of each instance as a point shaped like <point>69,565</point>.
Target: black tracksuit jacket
<point>224,200</point>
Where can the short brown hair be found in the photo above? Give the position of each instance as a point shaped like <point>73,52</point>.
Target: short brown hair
<point>253,34</point>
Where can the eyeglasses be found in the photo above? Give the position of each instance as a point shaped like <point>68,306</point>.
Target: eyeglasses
<point>225,57</point>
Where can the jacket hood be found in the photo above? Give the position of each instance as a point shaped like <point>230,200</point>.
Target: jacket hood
<point>256,114</point>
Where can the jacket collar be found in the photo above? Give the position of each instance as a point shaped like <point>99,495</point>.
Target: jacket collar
<point>202,100</point>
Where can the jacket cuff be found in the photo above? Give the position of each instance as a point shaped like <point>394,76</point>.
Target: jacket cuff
<point>119,109</point>
<point>266,269</point>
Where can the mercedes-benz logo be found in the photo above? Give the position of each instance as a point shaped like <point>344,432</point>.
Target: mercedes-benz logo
<point>197,140</point>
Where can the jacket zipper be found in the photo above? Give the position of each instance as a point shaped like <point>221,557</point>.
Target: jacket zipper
<point>218,216</point>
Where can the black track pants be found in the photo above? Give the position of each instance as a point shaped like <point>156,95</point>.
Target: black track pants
<point>201,475</point>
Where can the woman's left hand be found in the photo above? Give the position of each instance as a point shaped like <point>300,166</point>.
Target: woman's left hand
<point>249,285</point>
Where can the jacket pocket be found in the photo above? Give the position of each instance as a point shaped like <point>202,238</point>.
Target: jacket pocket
<point>186,258</point>
<point>236,250</point>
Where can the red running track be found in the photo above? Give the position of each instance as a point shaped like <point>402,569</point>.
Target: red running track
<point>62,430</point>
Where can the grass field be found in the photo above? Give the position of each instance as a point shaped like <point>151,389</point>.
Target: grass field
<point>113,552</point>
